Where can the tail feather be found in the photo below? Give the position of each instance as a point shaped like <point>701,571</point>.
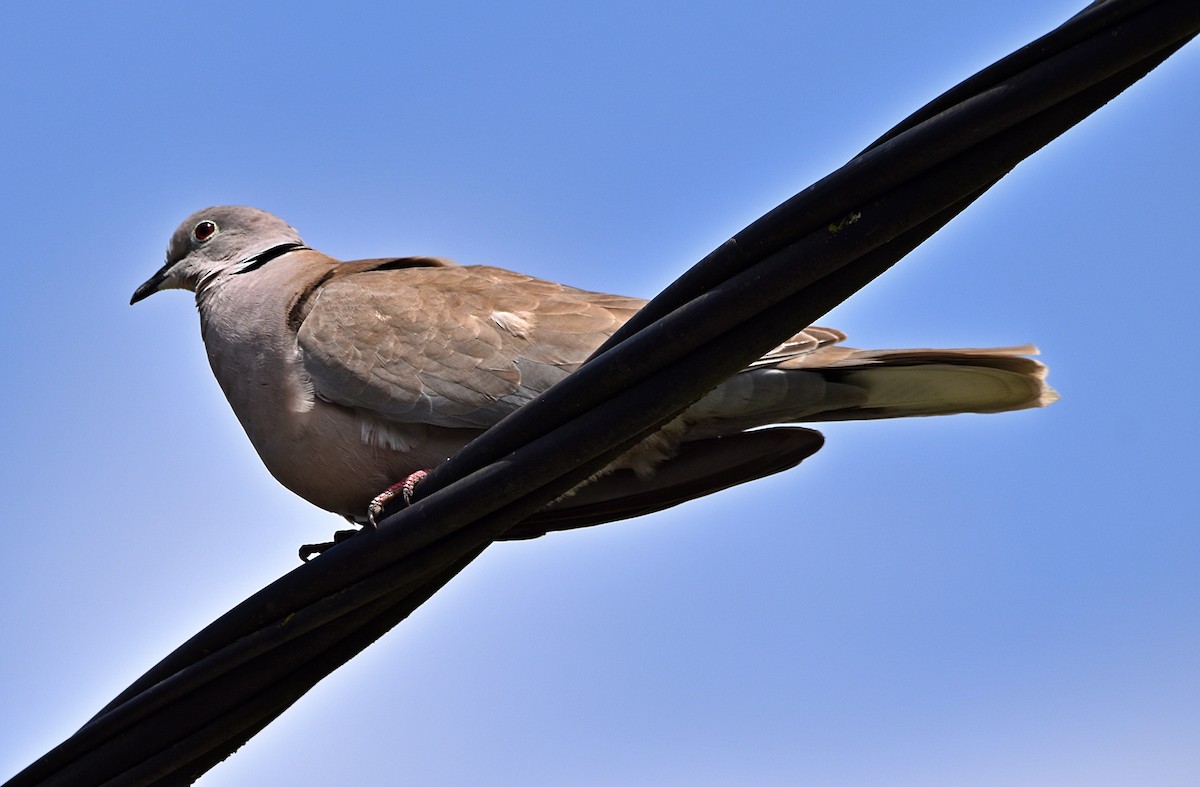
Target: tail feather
<point>900,383</point>
<point>837,383</point>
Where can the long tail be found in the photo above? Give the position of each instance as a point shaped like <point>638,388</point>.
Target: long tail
<point>837,383</point>
<point>808,379</point>
<point>899,383</point>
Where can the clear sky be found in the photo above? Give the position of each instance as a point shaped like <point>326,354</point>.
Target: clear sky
<point>983,600</point>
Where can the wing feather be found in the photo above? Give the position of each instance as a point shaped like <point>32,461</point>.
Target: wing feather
<point>449,346</point>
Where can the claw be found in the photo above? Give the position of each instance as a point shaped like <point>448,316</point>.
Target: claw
<point>404,488</point>
<point>410,485</point>
<point>309,551</point>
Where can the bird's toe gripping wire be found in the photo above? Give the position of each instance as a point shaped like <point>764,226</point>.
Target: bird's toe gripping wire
<point>404,488</point>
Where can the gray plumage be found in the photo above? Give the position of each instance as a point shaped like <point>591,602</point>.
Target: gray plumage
<point>348,376</point>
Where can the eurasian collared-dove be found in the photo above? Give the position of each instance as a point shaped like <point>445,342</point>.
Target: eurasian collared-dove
<point>350,376</point>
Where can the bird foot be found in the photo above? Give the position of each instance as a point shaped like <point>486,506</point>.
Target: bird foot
<point>309,551</point>
<point>404,488</point>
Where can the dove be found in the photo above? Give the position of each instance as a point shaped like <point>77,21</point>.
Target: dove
<point>349,377</point>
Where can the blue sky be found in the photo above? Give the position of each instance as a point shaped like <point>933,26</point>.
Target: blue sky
<point>978,600</point>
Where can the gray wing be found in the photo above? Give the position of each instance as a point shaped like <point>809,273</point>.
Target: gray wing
<point>450,346</point>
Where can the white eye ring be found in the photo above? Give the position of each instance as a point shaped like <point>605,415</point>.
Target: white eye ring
<point>205,230</point>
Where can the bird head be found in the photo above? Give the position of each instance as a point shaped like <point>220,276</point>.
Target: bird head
<point>218,242</point>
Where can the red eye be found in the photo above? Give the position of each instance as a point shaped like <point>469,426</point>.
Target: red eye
<point>204,230</point>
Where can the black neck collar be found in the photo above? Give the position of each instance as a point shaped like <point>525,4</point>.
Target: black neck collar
<point>262,258</point>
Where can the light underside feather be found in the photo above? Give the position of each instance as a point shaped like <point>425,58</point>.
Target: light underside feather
<point>387,434</point>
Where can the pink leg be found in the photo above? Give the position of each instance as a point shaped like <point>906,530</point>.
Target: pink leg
<point>405,488</point>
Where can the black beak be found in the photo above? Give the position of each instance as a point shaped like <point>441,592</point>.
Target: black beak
<point>151,285</point>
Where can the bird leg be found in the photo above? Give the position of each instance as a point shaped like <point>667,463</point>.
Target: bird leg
<point>309,551</point>
<point>404,488</point>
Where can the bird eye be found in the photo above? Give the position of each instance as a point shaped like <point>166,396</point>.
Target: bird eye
<point>204,230</point>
